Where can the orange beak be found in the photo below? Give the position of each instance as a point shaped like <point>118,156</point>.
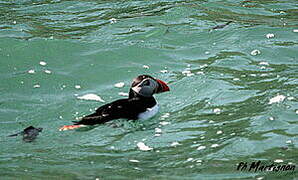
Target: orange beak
<point>163,85</point>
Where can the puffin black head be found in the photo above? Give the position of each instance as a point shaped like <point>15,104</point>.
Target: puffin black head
<point>146,86</point>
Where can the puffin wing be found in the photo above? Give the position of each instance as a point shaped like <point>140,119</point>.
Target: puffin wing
<point>122,108</point>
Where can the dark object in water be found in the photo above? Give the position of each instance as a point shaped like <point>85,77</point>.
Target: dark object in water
<point>29,134</point>
<point>222,25</point>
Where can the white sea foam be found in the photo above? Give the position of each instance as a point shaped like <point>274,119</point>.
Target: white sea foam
<point>77,86</point>
<point>201,148</point>
<point>264,63</point>
<point>163,123</point>
<point>119,85</point>
<point>123,94</point>
<point>92,97</point>
<point>189,159</point>
<point>158,130</point>
<point>255,52</point>
<point>146,67</point>
<point>277,99</point>
<point>214,145</point>
<point>36,86</point>
<point>270,35</point>
<point>165,115</point>
<point>47,71</point>
<point>31,71</point>
<point>278,160</point>
<point>219,132</point>
<point>143,147</point>
<point>271,118</point>
<point>175,144</point>
<point>186,72</point>
<point>216,110</point>
<point>113,20</point>
<point>42,63</point>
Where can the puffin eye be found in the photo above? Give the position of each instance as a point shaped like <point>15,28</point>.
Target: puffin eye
<point>146,83</point>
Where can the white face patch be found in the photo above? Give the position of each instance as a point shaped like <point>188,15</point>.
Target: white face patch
<point>146,87</point>
<point>149,113</point>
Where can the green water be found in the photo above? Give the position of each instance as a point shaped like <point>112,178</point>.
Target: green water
<point>220,93</point>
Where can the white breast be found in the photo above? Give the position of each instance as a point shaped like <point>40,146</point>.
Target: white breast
<point>149,113</point>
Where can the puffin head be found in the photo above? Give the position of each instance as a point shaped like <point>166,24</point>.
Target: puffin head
<point>146,86</point>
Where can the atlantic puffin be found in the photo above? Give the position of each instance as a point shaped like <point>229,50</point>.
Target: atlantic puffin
<point>140,104</point>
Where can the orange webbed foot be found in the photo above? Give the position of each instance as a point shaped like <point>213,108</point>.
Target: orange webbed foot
<point>70,127</point>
